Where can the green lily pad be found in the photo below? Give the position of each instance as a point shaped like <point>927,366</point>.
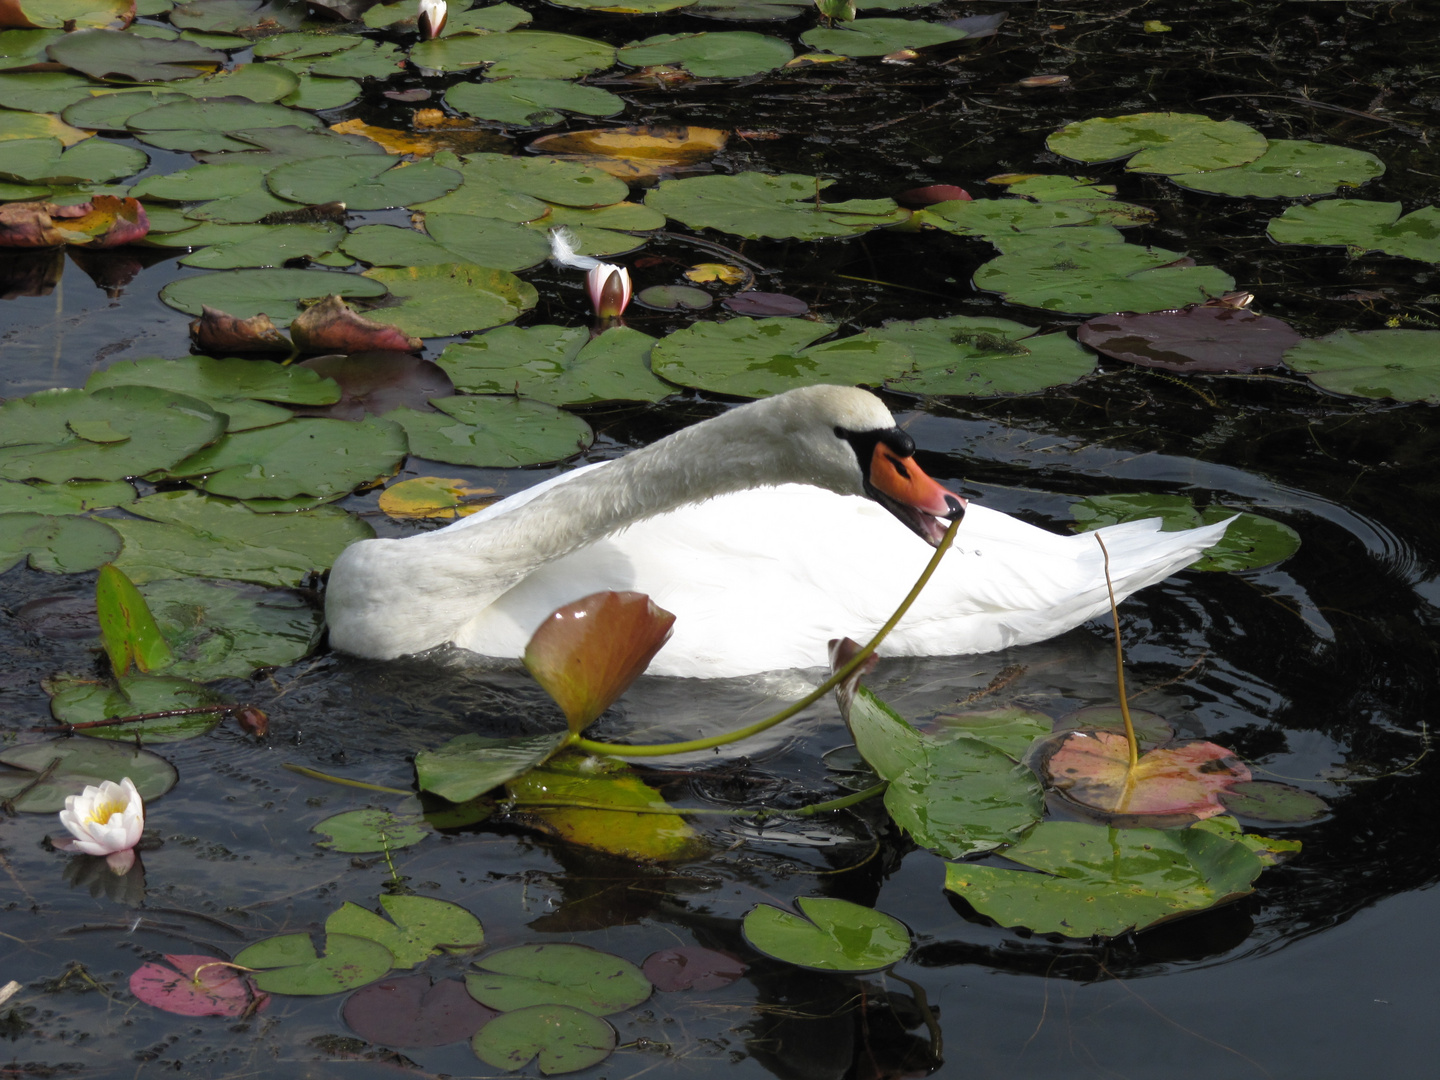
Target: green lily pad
<point>512,188</point>
<point>348,962</point>
<point>362,182</point>
<point>127,629</point>
<point>879,37</point>
<point>470,765</point>
<point>451,298</point>
<point>1399,364</point>
<point>239,16</point>
<point>110,434</point>
<point>207,117</point>
<point>492,18</point>
<point>422,927</point>
<point>1289,169</point>
<point>318,93</point>
<point>222,630</point>
<point>759,357</point>
<point>1249,542</point>
<point>832,935</point>
<point>973,357</point>
<point>321,458</point>
<point>500,245</point>
<point>82,762</point>
<point>1364,225</point>
<point>368,60</point>
<point>91,162</point>
<point>1105,881</point>
<point>268,147</point>
<point>531,102</point>
<point>1264,800</point>
<point>298,46</point>
<point>564,1039</point>
<point>988,217</point>
<point>23,125</point>
<point>274,291</point>
<point>201,182</point>
<point>493,432</point>
<point>106,54</point>
<point>956,796</point>
<point>557,365</point>
<point>253,82</point>
<point>265,245</point>
<point>44,91</point>
<point>1078,192</point>
<point>627,7</point>
<point>1096,272</point>
<point>674,298</point>
<point>1167,143</point>
<point>754,205</point>
<point>709,55</point>
<point>56,545</point>
<point>520,54</point>
<point>1009,728</point>
<point>750,10</point>
<point>1269,850</point>
<point>22,48</point>
<point>70,497</point>
<point>394,245</point>
<point>187,534</point>
<point>574,975</point>
<point>362,832</point>
<point>77,701</point>
<point>252,206</point>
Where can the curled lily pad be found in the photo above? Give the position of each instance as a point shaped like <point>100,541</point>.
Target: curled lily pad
<point>830,935</point>
<point>1097,880</point>
<point>1199,339</point>
<point>294,967</point>
<point>756,358</point>
<point>1399,364</point>
<point>493,432</point>
<point>1167,143</point>
<point>74,763</point>
<point>970,356</point>
<point>575,975</point>
<point>557,365</point>
<point>451,298</point>
<point>641,153</point>
<point>127,629</point>
<point>332,326</point>
<point>57,545</point>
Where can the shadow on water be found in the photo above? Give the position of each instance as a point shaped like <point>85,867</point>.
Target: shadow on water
<point>1320,671</point>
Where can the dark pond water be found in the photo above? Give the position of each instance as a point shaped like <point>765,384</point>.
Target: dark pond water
<point>1322,670</point>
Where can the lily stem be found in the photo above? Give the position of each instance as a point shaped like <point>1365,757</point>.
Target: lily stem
<point>1120,667</point>
<point>664,749</point>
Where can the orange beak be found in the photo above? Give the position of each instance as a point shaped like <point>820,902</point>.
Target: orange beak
<point>899,484</point>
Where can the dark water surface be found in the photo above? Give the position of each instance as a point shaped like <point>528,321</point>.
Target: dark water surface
<point>1321,671</point>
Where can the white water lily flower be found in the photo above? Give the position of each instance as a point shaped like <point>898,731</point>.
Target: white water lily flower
<point>432,18</point>
<point>106,820</point>
<point>609,289</point>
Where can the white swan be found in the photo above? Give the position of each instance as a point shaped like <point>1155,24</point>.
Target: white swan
<point>765,530</point>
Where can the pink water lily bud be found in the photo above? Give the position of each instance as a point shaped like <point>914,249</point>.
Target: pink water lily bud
<point>431,19</point>
<point>609,289</point>
<point>105,820</point>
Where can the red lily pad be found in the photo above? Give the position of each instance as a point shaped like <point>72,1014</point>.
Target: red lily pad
<point>223,334</point>
<point>766,304</point>
<point>332,327</point>
<point>932,194</point>
<point>1092,770</point>
<point>1204,338</point>
<point>410,1011</point>
<point>690,967</point>
<point>379,382</point>
<point>586,654</point>
<point>197,986</point>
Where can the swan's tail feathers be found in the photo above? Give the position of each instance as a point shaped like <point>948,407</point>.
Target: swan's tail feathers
<point>1140,554</point>
<point>562,250</point>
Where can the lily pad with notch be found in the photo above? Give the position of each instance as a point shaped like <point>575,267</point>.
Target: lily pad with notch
<point>1199,339</point>
<point>46,161</point>
<point>557,365</point>
<point>47,772</point>
<point>1265,800</point>
<point>980,357</point>
<point>410,1011</point>
<point>1003,217</point>
<point>674,298</point>
<point>1168,143</point>
<point>239,16</point>
<point>274,291</point>
<point>517,189</point>
<point>363,832</point>
<point>710,55</point>
<point>294,967</point>
<point>1289,169</point>
<point>531,102</point>
<point>419,927</point>
<point>197,985</point>
<point>450,298</point>
<point>756,358</point>
<point>755,205</point>
<point>493,432</point>
<point>1251,540</point>
<point>1399,364</point>
<point>564,1039</point>
<point>1363,225</point>
<point>362,182</point>
<point>55,544</point>
<point>1079,192</point>
<point>829,935</point>
<point>583,978</point>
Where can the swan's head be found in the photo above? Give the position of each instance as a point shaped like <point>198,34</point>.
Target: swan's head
<point>851,439</point>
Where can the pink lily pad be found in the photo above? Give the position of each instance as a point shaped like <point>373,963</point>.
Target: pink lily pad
<point>588,653</point>
<point>1091,769</point>
<point>197,986</point>
<point>932,194</point>
<point>1204,338</point>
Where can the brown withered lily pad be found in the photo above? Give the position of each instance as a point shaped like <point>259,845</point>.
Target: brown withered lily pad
<point>332,327</point>
<point>224,335</point>
<point>1206,339</point>
<point>103,222</point>
<point>379,382</point>
<point>641,152</point>
<point>932,194</point>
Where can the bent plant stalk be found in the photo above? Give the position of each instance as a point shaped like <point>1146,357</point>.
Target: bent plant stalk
<point>664,749</point>
<point>1130,739</point>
